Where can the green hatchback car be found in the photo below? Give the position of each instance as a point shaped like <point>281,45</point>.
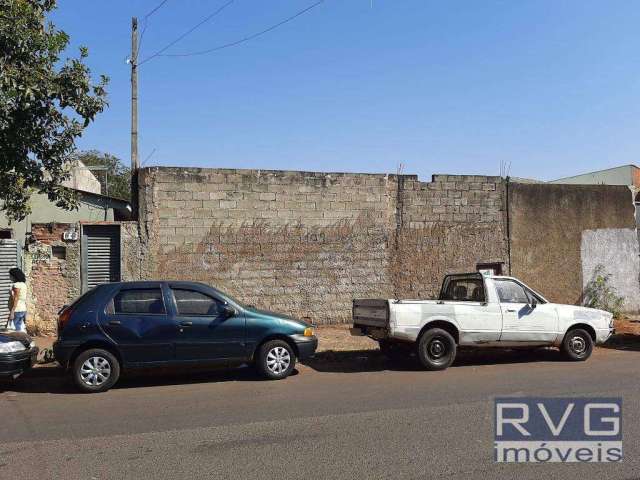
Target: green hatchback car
<point>120,326</point>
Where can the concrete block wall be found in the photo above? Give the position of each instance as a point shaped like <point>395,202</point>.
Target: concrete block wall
<point>307,243</point>
<point>448,225</point>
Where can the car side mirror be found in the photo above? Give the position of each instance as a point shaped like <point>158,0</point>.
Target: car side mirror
<point>533,302</point>
<point>228,311</point>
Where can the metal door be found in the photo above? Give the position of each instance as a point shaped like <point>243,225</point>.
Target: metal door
<point>100,255</point>
<point>8,260</point>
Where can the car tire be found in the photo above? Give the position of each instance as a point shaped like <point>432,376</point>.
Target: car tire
<point>275,359</point>
<point>436,349</point>
<point>577,345</point>
<point>95,370</point>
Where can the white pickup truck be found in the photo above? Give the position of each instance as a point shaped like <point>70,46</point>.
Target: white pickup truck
<point>481,311</point>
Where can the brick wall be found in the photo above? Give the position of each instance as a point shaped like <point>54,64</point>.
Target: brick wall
<point>52,281</point>
<point>307,243</point>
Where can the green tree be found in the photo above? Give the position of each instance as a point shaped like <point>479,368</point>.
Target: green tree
<point>45,104</point>
<point>115,180</point>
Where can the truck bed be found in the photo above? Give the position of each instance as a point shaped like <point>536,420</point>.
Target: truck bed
<point>371,312</point>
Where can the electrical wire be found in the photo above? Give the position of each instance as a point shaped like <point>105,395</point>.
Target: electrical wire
<point>158,7</point>
<point>242,40</point>
<point>198,25</point>
<point>145,20</point>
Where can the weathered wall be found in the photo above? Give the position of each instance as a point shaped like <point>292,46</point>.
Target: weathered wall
<point>546,225</point>
<point>617,250</point>
<point>448,225</point>
<point>82,178</point>
<point>307,243</point>
<point>51,281</point>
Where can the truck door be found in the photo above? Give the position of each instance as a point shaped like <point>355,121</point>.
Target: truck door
<point>522,322</point>
<point>480,320</point>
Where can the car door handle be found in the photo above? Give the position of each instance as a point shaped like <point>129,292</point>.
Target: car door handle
<point>115,322</point>
<point>511,310</point>
<point>186,324</point>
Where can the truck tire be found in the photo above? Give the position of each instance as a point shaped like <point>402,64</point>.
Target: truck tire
<point>577,345</point>
<point>436,349</point>
<point>275,359</point>
<point>95,370</point>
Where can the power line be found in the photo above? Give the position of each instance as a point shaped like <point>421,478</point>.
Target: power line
<point>144,27</point>
<point>171,44</point>
<point>158,7</point>
<point>244,39</point>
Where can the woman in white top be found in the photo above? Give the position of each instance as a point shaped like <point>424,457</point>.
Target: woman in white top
<point>18,312</point>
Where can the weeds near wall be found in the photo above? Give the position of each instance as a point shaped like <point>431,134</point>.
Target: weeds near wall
<point>600,294</point>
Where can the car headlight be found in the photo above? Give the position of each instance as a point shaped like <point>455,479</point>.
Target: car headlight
<point>11,347</point>
<point>308,332</point>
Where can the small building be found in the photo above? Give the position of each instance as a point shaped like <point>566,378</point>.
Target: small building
<point>624,175</point>
<point>64,252</point>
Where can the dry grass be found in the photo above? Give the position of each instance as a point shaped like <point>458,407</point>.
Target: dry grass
<point>337,338</point>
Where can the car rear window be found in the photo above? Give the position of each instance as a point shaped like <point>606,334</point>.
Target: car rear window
<point>139,301</point>
<point>464,290</point>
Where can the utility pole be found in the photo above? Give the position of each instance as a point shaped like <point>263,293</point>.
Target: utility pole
<point>134,94</point>
<point>134,116</point>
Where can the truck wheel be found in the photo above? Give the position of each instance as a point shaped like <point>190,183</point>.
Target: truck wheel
<point>275,359</point>
<point>95,370</point>
<point>577,345</point>
<point>436,349</point>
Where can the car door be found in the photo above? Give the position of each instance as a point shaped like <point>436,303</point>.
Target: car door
<point>136,319</point>
<point>523,322</point>
<point>207,330</point>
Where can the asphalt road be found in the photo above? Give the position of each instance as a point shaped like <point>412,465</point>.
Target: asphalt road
<point>353,417</point>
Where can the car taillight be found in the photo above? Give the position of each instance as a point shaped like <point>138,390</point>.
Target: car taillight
<point>64,317</point>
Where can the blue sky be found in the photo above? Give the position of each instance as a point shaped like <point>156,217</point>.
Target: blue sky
<point>358,85</point>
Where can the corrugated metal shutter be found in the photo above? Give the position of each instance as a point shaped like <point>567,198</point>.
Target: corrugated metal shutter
<point>8,260</point>
<point>101,254</point>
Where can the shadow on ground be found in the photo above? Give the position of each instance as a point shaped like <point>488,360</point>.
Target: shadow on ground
<point>373,360</point>
<point>624,341</point>
<point>53,380</point>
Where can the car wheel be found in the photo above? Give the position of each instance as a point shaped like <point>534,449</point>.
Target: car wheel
<point>275,359</point>
<point>436,349</point>
<point>95,370</point>
<point>577,345</point>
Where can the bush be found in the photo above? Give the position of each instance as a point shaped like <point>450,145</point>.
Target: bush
<point>601,295</point>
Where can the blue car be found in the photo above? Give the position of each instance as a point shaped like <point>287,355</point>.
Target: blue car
<point>119,326</point>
